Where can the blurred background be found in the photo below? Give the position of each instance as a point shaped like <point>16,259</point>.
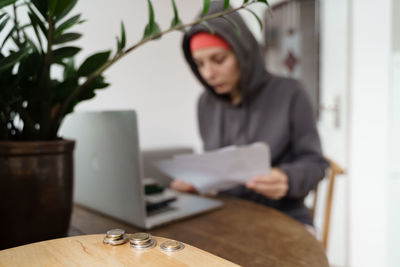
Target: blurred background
<point>346,53</point>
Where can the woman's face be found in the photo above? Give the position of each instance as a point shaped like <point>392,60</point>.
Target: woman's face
<point>219,68</point>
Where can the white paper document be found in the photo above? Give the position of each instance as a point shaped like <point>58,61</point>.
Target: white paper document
<point>219,169</point>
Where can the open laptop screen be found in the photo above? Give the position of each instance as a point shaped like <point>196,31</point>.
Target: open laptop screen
<point>107,163</point>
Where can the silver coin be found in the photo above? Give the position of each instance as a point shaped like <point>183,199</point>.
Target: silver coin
<point>139,237</point>
<point>114,242</point>
<point>115,233</point>
<point>172,245</point>
<point>150,244</point>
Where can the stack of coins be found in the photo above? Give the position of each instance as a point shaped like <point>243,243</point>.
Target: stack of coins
<point>142,241</point>
<point>115,237</point>
<point>171,246</point>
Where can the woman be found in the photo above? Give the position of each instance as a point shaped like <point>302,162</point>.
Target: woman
<point>243,104</point>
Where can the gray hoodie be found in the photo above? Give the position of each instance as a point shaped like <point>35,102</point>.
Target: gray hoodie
<point>273,110</point>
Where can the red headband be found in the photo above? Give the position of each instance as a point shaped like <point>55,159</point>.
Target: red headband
<point>204,40</point>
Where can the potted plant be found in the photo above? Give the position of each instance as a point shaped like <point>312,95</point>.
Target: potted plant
<point>36,166</point>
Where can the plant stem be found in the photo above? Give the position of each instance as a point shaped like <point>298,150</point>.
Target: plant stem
<point>72,98</point>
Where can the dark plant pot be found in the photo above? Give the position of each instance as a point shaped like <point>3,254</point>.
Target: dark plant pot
<point>36,181</point>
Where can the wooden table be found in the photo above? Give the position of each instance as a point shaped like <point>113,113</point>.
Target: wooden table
<point>242,232</point>
<point>89,250</point>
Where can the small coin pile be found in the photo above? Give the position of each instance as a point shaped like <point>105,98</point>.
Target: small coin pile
<point>139,241</point>
<point>115,237</point>
<point>171,245</point>
<point>142,241</point>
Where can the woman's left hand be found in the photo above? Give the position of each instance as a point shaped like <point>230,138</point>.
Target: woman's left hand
<point>273,185</point>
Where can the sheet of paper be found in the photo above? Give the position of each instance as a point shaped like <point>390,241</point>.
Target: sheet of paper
<point>219,169</point>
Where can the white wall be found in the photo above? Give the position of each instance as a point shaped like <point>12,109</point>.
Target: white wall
<point>368,168</point>
<point>393,219</point>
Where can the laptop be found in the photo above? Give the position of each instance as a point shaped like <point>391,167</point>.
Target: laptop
<point>109,173</point>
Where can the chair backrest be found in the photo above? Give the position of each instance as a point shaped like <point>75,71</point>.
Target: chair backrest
<point>334,169</point>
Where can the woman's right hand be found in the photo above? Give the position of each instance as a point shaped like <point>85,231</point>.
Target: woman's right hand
<point>182,186</point>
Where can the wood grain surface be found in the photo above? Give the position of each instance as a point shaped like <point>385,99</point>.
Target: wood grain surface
<point>89,250</point>
<point>242,232</point>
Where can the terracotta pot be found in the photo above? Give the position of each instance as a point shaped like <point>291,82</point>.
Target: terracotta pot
<point>36,182</point>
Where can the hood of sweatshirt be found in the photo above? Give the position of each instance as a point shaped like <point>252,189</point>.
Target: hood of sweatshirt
<point>246,48</point>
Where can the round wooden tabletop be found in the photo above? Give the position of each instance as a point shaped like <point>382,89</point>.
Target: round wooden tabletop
<point>89,250</point>
<point>242,232</point>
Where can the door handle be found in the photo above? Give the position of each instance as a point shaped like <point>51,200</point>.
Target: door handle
<point>335,109</point>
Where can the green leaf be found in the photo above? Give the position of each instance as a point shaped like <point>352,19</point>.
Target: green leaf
<point>98,83</point>
<point>2,15</point>
<point>29,40</point>
<point>69,69</point>
<point>175,9</point>
<point>151,13</point>
<point>12,59</point>
<point>256,16</point>
<point>64,52</point>
<point>30,65</point>
<point>67,24</point>
<point>264,1</point>
<point>121,43</point>
<point>64,89</point>
<point>176,21</point>
<point>93,63</point>
<point>35,19</point>
<point>8,35</point>
<point>42,6</point>
<point>64,7</point>
<point>35,26</point>
<point>226,4</point>
<point>16,42</point>
<point>4,3</point>
<point>152,27</point>
<point>119,49</point>
<point>51,5</point>
<point>67,37</point>
<point>58,7</point>
<point>206,7</point>
<point>89,91</point>
<point>3,23</point>
<point>123,36</point>
<point>152,31</point>
<point>234,24</point>
<point>245,1</point>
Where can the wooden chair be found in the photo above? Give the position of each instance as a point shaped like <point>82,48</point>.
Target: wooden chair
<point>334,169</point>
